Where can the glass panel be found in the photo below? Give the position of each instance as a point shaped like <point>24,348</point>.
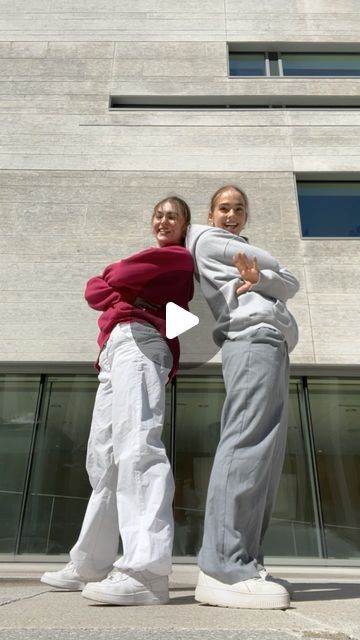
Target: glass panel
<point>198,411</point>
<point>321,64</point>
<point>59,487</point>
<point>246,64</point>
<point>329,209</point>
<point>18,402</point>
<point>292,531</point>
<point>335,411</point>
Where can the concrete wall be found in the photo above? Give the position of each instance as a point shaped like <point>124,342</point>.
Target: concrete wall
<point>77,182</point>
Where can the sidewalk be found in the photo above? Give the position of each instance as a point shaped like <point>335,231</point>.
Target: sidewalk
<point>326,606</point>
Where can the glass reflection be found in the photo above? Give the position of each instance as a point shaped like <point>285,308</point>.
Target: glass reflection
<point>198,411</point>
<point>246,64</point>
<point>292,531</point>
<point>335,411</point>
<point>329,209</point>
<point>18,402</point>
<point>59,487</point>
<point>321,64</point>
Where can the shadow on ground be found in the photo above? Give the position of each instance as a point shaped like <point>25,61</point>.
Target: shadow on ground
<point>325,591</point>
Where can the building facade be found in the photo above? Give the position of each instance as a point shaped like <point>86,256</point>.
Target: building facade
<point>106,107</point>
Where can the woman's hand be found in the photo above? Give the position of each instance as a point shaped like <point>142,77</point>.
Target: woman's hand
<point>249,272</point>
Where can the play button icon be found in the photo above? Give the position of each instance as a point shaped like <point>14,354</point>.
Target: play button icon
<point>178,320</point>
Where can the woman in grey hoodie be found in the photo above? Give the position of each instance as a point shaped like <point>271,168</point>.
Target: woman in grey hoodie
<point>256,331</point>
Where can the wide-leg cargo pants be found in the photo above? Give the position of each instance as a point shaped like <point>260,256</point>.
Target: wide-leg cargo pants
<point>130,474</point>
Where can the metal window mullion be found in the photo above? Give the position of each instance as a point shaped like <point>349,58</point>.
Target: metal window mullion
<point>267,64</point>
<point>280,65</point>
<point>310,451</point>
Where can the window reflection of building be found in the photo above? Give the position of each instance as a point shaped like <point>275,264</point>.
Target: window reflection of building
<point>44,424</point>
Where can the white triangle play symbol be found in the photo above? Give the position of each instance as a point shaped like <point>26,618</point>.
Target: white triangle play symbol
<point>178,320</point>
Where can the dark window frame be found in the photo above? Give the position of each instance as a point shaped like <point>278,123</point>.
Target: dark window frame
<point>323,181</point>
<point>273,57</point>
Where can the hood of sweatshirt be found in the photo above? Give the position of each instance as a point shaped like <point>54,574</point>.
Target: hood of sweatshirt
<point>194,232</point>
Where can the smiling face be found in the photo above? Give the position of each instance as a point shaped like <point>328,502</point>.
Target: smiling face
<point>168,224</point>
<point>229,211</point>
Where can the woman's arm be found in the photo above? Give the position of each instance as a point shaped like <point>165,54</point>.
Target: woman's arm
<point>99,295</point>
<point>156,272</point>
<point>131,274</point>
<point>280,284</point>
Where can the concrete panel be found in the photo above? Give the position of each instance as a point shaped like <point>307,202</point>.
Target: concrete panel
<point>181,60</point>
<point>107,148</point>
<point>23,49</point>
<point>335,329</point>
<point>59,105</point>
<point>220,84</point>
<point>81,50</point>
<point>40,220</point>
<point>294,8</point>
<point>275,27</point>
<point>83,220</point>
<point>46,87</point>
<point>342,279</point>
<point>112,24</point>
<point>110,6</point>
<point>42,69</point>
<point>33,50</point>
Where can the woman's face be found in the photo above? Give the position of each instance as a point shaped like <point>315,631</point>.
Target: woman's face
<point>169,226</point>
<point>229,212</point>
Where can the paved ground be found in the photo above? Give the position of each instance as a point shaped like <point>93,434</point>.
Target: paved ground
<point>326,606</point>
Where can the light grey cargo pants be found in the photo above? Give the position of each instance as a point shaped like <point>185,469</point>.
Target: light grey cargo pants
<point>249,458</point>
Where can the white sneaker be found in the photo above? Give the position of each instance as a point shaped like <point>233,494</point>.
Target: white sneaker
<point>255,593</point>
<point>284,583</point>
<point>67,578</point>
<point>135,588</point>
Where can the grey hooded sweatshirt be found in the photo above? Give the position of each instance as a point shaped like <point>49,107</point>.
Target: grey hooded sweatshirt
<point>265,302</point>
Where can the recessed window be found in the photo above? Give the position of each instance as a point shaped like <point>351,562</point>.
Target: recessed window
<point>283,63</point>
<point>320,64</point>
<point>247,64</point>
<point>329,209</point>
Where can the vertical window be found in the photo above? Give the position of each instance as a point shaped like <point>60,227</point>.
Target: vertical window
<point>335,411</point>
<point>18,404</point>
<point>198,412</point>
<point>294,530</point>
<point>329,209</point>
<point>59,487</point>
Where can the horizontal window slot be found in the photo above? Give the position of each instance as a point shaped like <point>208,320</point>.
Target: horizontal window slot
<point>232,102</point>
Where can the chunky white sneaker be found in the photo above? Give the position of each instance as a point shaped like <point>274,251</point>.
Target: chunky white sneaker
<point>284,583</point>
<point>135,588</point>
<point>67,578</point>
<point>255,593</point>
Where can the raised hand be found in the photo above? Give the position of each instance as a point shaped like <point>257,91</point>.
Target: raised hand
<point>248,270</point>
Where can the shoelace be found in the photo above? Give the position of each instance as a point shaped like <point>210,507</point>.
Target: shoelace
<point>114,575</point>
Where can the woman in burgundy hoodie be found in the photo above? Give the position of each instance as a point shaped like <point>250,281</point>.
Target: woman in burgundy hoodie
<point>128,468</point>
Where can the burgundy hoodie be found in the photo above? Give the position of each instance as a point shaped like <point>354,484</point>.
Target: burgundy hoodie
<point>158,275</point>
